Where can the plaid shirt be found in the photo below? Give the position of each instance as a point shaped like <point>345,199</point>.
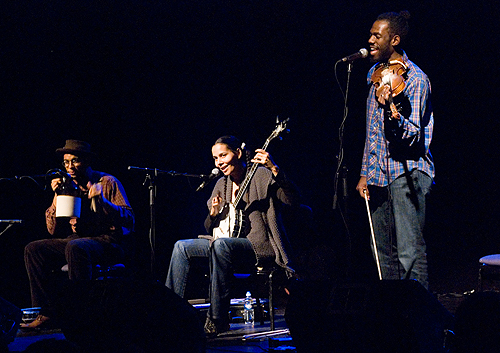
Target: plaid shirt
<point>378,166</point>
<point>113,216</point>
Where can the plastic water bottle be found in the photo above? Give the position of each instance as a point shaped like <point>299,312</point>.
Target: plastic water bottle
<point>248,312</point>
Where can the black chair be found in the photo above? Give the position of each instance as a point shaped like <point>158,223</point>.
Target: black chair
<point>106,271</point>
<point>262,283</point>
<point>116,264</point>
<point>489,270</point>
<point>300,229</point>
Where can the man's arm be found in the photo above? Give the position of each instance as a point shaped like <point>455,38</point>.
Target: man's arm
<point>110,196</point>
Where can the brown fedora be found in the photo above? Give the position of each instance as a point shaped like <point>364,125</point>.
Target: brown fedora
<point>76,147</point>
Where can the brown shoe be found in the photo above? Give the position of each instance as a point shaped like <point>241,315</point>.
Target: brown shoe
<point>40,322</point>
<point>215,327</point>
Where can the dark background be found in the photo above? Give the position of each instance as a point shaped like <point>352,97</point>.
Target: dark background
<point>154,83</point>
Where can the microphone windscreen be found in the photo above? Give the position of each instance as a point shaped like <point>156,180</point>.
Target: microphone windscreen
<point>215,172</point>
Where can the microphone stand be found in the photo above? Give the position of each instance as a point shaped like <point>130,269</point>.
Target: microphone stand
<point>341,170</point>
<point>340,155</point>
<point>10,224</point>
<point>150,179</point>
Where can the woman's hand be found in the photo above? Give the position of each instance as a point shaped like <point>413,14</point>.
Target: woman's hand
<point>263,157</point>
<point>216,203</point>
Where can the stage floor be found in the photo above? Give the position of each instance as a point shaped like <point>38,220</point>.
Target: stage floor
<point>241,337</point>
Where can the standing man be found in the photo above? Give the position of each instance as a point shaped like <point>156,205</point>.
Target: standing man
<point>103,230</point>
<point>397,168</point>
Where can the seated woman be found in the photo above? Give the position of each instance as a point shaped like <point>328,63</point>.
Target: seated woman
<point>260,237</point>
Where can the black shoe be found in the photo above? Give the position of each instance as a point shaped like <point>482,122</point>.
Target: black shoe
<point>215,327</point>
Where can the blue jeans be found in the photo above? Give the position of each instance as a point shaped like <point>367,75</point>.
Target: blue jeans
<point>180,263</point>
<point>398,224</point>
<point>225,254</point>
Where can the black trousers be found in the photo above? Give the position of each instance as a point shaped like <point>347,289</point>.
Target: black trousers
<point>43,257</point>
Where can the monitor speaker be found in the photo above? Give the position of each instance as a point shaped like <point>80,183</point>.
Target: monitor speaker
<point>120,314</point>
<point>10,319</point>
<point>384,316</point>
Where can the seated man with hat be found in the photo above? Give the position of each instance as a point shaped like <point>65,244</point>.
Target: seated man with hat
<point>101,231</point>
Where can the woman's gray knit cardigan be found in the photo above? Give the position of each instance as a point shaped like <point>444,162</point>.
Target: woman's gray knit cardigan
<point>264,226</point>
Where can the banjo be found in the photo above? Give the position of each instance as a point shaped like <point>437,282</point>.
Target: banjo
<point>239,205</point>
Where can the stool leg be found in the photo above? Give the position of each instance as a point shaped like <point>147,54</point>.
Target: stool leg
<point>480,280</point>
<point>259,304</point>
<point>271,306</point>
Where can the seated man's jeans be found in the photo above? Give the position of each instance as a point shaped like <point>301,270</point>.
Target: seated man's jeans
<point>225,254</point>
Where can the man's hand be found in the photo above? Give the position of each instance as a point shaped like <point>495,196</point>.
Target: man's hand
<point>362,188</point>
<point>384,94</point>
<point>94,189</point>
<point>54,183</point>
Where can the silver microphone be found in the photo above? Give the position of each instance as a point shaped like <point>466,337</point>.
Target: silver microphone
<point>214,174</point>
<point>361,54</point>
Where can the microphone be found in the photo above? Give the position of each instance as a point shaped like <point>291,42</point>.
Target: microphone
<point>361,54</point>
<point>214,174</point>
<point>58,173</point>
<point>11,221</point>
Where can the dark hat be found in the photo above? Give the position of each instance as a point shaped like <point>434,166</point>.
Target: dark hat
<point>76,147</point>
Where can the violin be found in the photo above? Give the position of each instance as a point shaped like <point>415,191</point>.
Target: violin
<point>392,74</point>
